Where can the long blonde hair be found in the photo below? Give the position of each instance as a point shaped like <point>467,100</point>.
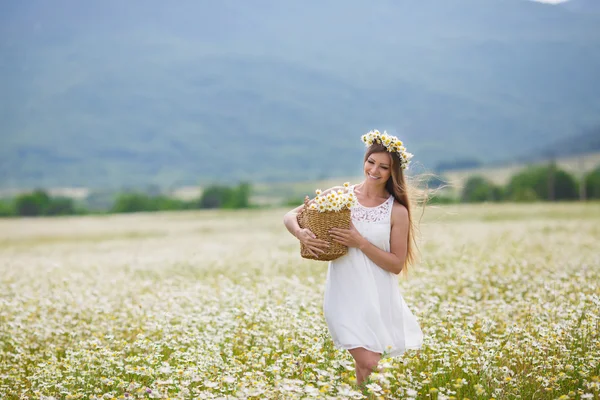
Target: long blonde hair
<point>399,187</point>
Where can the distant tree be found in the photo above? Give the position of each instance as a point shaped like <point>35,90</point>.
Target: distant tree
<point>133,202</point>
<point>218,196</point>
<point>60,206</point>
<point>6,209</point>
<point>32,204</point>
<point>543,183</point>
<point>165,203</point>
<point>479,189</point>
<point>592,184</point>
<point>136,202</point>
<point>240,197</point>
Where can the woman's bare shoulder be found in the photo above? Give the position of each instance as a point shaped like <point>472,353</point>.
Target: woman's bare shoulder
<point>399,213</point>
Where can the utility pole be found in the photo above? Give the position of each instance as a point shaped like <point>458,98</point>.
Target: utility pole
<point>551,178</point>
<point>581,165</point>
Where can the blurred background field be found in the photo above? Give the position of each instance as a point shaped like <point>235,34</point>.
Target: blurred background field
<point>570,178</point>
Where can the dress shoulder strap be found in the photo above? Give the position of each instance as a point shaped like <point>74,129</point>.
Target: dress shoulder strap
<point>391,201</point>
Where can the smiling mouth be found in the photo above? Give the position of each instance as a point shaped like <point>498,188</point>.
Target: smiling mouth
<point>374,177</point>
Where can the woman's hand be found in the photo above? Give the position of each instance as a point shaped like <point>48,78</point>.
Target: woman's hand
<point>348,237</point>
<point>310,241</point>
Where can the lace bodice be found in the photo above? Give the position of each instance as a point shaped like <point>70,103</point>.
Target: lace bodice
<point>377,214</point>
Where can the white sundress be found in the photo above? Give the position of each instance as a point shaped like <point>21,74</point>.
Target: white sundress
<point>363,306</point>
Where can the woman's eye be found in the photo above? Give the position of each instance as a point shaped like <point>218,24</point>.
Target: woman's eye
<point>370,162</point>
<point>383,167</point>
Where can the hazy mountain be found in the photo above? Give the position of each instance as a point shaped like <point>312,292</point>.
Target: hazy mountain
<point>586,142</point>
<point>112,93</point>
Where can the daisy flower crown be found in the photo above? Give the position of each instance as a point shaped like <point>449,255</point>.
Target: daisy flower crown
<point>391,143</point>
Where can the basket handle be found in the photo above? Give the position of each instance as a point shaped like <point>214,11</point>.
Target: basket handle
<point>299,215</point>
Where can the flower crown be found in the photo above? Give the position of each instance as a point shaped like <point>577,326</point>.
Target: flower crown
<point>391,143</point>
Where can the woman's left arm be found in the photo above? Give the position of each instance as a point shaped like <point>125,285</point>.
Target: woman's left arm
<point>392,261</point>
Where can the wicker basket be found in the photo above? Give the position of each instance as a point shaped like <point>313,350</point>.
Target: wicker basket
<point>319,223</point>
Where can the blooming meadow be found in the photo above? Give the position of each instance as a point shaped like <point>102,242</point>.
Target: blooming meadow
<point>220,304</point>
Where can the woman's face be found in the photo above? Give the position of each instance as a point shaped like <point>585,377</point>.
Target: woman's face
<point>378,168</point>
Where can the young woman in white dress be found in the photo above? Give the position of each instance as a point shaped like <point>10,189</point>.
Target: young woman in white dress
<point>363,307</point>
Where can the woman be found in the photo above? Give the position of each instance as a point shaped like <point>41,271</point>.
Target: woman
<point>363,307</point>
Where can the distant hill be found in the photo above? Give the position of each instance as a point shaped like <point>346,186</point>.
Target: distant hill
<point>586,142</point>
<point>117,93</point>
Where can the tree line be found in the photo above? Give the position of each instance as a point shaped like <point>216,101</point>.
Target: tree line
<point>40,203</point>
<point>545,183</point>
<point>541,183</point>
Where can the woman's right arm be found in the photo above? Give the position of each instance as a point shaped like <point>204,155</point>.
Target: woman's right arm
<point>291,222</point>
<point>305,236</point>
